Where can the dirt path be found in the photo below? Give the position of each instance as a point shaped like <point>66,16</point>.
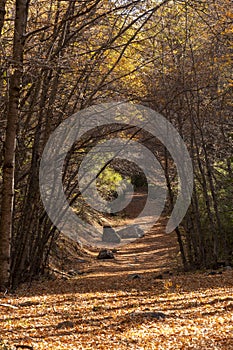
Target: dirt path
<point>155,252</point>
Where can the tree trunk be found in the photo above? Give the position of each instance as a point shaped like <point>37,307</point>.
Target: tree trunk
<point>10,141</point>
<point>2,14</point>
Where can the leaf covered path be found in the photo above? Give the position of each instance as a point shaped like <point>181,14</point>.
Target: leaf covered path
<point>107,308</point>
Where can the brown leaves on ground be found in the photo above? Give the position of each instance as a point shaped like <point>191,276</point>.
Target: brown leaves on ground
<point>104,308</point>
<point>79,314</point>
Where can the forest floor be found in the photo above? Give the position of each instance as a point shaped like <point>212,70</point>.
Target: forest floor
<point>139,300</point>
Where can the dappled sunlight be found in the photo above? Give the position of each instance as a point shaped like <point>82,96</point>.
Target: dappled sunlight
<point>120,319</point>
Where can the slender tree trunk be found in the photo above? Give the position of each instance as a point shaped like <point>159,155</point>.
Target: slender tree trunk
<point>10,141</point>
<point>171,197</point>
<point>2,14</point>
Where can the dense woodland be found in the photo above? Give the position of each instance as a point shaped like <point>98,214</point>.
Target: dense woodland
<point>59,57</point>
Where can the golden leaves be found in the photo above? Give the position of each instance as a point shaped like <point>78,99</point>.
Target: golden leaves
<point>198,317</point>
